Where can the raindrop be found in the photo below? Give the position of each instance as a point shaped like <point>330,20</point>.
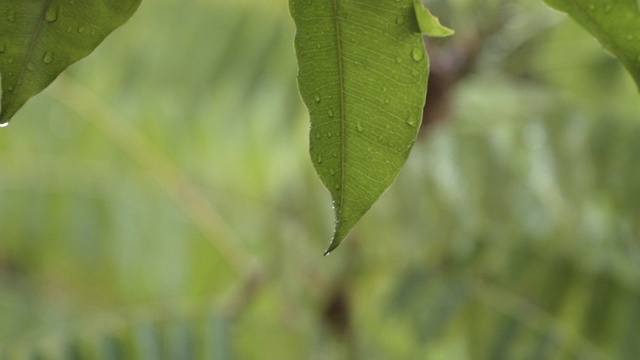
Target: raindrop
<point>360,127</point>
<point>417,54</point>
<point>337,186</point>
<point>411,122</point>
<point>319,159</point>
<point>69,28</point>
<point>10,87</point>
<point>47,58</point>
<point>317,98</point>
<point>81,29</point>
<point>400,20</point>
<point>51,15</point>
<point>4,124</point>
<point>333,172</point>
<point>330,113</point>
<point>329,135</point>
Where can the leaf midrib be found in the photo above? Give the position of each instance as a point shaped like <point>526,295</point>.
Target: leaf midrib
<point>342,103</point>
<point>25,61</point>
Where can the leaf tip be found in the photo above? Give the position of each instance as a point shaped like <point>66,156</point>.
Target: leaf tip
<point>429,24</point>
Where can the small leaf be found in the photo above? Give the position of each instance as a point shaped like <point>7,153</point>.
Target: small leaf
<point>40,38</point>
<point>362,74</point>
<point>615,23</point>
<point>429,24</point>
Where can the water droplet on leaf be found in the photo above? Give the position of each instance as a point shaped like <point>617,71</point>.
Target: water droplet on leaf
<point>400,20</point>
<point>330,113</point>
<point>51,15</point>
<point>360,127</point>
<point>81,29</point>
<point>47,58</point>
<point>417,54</point>
<point>317,98</point>
<point>4,124</point>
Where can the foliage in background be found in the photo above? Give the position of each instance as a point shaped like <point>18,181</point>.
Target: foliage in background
<point>511,233</point>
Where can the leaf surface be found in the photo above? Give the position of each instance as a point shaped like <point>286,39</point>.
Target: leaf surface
<point>615,23</point>
<point>362,75</point>
<point>40,38</point>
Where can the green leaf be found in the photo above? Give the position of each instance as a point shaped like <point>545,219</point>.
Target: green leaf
<point>362,74</point>
<point>429,24</point>
<point>615,23</point>
<point>40,38</point>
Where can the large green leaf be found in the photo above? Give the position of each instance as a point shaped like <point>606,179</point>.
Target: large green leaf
<point>362,74</point>
<point>40,38</point>
<point>615,23</point>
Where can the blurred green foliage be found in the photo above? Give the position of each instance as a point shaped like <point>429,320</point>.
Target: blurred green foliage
<point>158,202</point>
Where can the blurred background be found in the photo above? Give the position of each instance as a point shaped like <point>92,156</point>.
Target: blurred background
<point>158,201</point>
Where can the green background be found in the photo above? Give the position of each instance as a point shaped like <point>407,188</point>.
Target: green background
<point>158,200</point>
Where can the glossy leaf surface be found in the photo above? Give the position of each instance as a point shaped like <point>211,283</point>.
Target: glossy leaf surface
<point>362,74</point>
<point>40,38</point>
<point>615,23</point>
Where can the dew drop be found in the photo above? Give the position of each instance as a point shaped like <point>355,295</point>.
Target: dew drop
<point>319,159</point>
<point>337,186</point>
<point>417,54</point>
<point>386,101</point>
<point>51,15</point>
<point>330,113</point>
<point>360,127</point>
<point>411,122</point>
<point>400,20</point>
<point>69,29</point>
<point>10,87</point>
<point>317,98</point>
<point>329,135</point>
<point>317,135</point>
<point>81,29</point>
<point>4,124</point>
<point>333,172</point>
<point>47,58</point>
